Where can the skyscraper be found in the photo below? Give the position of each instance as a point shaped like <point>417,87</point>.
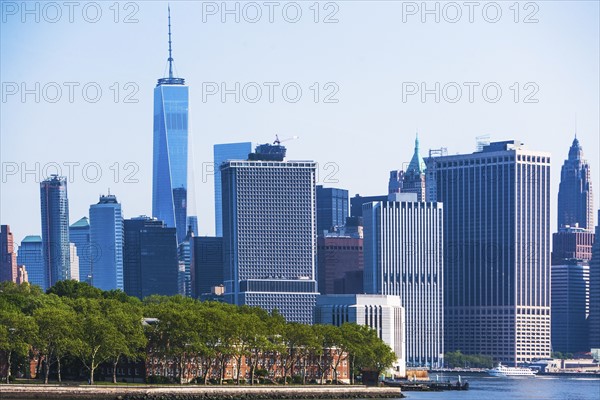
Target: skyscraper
<point>575,199</point>
<point>496,251</point>
<point>594,319</point>
<point>332,208</point>
<point>8,256</point>
<point>55,229</point>
<point>170,155</point>
<point>207,264</point>
<point>79,233</point>
<point>357,202</point>
<point>150,258</point>
<point>340,264</point>
<point>106,234</point>
<point>222,153</point>
<point>269,233</point>
<point>403,256</point>
<point>570,306</point>
<point>30,255</point>
<point>184,257</point>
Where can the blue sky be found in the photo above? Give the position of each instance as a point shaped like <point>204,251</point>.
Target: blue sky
<point>370,57</point>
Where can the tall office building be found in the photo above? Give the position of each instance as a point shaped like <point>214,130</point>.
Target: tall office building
<point>496,251</point>
<point>170,154</point>
<point>8,256</point>
<point>207,264</point>
<point>384,314</point>
<point>403,249</point>
<point>106,234</point>
<point>332,208</point>
<point>570,306</point>
<point>55,229</point>
<point>79,233</point>
<point>594,318</point>
<point>575,199</point>
<point>30,255</point>
<point>269,233</point>
<point>225,152</point>
<point>73,263</point>
<point>150,263</point>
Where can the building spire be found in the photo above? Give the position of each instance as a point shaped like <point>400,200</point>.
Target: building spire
<point>170,52</point>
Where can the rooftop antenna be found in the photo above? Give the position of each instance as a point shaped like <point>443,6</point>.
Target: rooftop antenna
<point>170,59</point>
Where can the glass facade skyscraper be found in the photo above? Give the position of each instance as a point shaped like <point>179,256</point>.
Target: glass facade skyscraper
<point>269,233</point>
<point>30,255</point>
<point>170,154</point>
<point>496,251</point>
<point>222,153</point>
<point>106,234</point>
<point>150,263</point>
<point>55,229</point>
<point>79,233</point>
<point>332,208</point>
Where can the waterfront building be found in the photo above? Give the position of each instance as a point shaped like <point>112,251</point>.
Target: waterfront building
<point>79,233</point>
<point>384,313</point>
<point>496,251</point>
<point>225,152</point>
<point>55,229</point>
<point>30,255</point>
<point>106,234</point>
<point>170,150</point>
<point>570,306</point>
<point>403,249</point>
<point>269,233</point>
<point>594,318</point>
<point>8,257</point>
<point>150,263</point>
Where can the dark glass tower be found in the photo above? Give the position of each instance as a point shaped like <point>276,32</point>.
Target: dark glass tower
<point>170,155</point>
<point>207,264</point>
<point>30,255</point>
<point>332,208</point>
<point>150,263</point>
<point>55,229</point>
<point>575,199</point>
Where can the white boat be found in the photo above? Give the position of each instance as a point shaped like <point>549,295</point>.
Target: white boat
<point>501,370</point>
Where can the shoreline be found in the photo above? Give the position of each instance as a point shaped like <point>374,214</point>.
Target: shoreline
<point>156,392</point>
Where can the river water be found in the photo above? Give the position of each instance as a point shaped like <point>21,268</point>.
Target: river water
<point>527,388</point>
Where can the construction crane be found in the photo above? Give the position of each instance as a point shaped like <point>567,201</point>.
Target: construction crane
<point>278,142</point>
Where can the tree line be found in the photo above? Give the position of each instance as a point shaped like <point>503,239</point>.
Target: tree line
<point>76,324</point>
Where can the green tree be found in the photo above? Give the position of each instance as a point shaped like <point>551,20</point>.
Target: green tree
<point>56,338</point>
<point>129,340</point>
<point>17,334</point>
<point>95,334</point>
<point>74,290</point>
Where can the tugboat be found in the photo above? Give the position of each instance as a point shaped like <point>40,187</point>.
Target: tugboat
<point>503,371</point>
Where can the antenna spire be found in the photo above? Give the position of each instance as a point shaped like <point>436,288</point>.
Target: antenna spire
<point>170,52</point>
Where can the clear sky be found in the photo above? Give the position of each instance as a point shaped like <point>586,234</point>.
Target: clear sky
<point>371,61</point>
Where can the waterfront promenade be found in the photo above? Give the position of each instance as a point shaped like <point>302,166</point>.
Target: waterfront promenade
<point>30,392</point>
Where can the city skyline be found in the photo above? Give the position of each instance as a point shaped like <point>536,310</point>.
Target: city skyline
<point>435,122</point>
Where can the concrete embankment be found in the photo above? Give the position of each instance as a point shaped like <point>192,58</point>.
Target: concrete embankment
<point>151,392</point>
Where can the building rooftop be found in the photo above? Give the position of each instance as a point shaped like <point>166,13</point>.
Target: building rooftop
<point>82,223</point>
<point>32,239</point>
